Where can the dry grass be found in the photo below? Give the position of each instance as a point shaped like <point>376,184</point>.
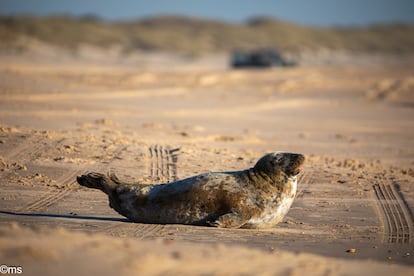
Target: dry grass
<point>191,35</point>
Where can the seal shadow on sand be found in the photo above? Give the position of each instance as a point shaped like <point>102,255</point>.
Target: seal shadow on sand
<point>66,216</point>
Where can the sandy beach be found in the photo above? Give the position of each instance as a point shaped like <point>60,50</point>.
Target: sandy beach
<point>162,119</point>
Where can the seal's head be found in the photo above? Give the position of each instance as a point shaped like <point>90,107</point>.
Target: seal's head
<point>276,163</point>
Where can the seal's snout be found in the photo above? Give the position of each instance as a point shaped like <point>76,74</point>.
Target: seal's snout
<point>291,163</point>
<point>296,164</point>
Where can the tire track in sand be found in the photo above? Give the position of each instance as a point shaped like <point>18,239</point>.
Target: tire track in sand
<point>162,163</point>
<point>304,181</point>
<point>397,218</point>
<point>29,149</point>
<point>134,230</point>
<point>68,186</point>
<point>29,152</point>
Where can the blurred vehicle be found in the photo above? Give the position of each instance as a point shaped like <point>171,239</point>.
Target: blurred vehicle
<point>259,58</point>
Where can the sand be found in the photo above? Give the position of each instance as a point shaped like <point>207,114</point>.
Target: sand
<point>154,123</point>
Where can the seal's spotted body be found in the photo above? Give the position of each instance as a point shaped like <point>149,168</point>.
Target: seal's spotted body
<point>255,198</point>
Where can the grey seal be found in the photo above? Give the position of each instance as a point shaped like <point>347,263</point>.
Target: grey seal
<point>258,197</point>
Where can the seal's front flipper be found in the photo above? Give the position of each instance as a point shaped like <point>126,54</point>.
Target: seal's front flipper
<point>229,220</point>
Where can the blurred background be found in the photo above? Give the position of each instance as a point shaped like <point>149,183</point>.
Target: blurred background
<point>304,31</point>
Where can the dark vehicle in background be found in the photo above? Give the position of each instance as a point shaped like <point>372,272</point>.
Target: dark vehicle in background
<point>259,58</point>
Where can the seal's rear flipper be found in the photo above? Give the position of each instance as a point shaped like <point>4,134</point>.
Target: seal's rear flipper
<point>96,181</point>
<point>91,180</point>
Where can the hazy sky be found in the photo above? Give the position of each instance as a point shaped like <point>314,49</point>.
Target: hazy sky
<point>315,12</point>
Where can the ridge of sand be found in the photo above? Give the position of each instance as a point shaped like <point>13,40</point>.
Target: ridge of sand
<point>46,251</point>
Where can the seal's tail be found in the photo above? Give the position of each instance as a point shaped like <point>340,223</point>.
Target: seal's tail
<point>97,181</point>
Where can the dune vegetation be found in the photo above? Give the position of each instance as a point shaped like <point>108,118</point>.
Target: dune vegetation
<point>193,35</point>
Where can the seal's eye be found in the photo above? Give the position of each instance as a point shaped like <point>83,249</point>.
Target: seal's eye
<point>276,165</point>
